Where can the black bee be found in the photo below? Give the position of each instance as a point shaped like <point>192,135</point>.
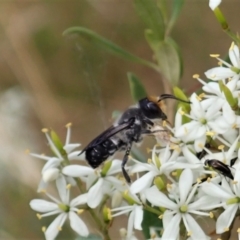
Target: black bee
<point>220,167</point>
<point>135,122</point>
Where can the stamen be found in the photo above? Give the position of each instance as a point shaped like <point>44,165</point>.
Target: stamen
<point>234,126</point>
<point>164,123</point>
<point>232,46</point>
<point>209,179</point>
<point>68,125</point>
<point>198,98</point>
<point>210,133</point>
<point>215,55</point>
<point>39,216</point>
<point>160,216</point>
<point>196,76</point>
<point>189,233</point>
<point>44,229</point>
<point>235,182</point>
<point>199,180</point>
<point>174,174</point>
<point>68,186</point>
<point>226,229</point>
<point>221,147</point>
<point>238,230</point>
<point>149,160</point>
<point>27,151</point>
<point>153,236</point>
<point>79,211</point>
<point>213,76</point>
<point>181,112</point>
<point>211,215</point>
<point>45,130</point>
<point>201,145</point>
<point>43,191</point>
<point>148,150</point>
<point>59,228</point>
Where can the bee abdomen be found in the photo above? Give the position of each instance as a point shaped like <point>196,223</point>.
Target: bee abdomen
<point>98,154</point>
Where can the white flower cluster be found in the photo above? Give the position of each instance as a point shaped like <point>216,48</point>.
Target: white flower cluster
<point>197,173</point>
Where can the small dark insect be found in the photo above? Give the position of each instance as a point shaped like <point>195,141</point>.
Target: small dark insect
<point>203,153</point>
<point>133,124</point>
<point>220,167</point>
<point>232,162</point>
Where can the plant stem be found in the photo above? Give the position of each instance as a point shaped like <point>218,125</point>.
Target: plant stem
<point>153,210</point>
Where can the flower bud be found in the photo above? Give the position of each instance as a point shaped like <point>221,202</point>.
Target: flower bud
<point>50,174</point>
<point>116,199</point>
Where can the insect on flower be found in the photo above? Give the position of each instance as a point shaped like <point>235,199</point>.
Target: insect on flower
<point>132,125</point>
<point>220,167</point>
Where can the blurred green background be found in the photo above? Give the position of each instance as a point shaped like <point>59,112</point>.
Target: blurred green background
<point>47,80</point>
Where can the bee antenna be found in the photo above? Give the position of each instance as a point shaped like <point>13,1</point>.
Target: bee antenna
<point>166,96</point>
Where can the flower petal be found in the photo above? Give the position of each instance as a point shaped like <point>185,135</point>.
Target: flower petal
<point>185,184</point>
<point>77,171</point>
<point>157,198</point>
<point>95,194</point>
<point>195,230</point>
<point>43,206</point>
<point>214,4</point>
<point>172,229</point>
<point>78,225</point>
<point>138,217</point>
<point>226,218</point>
<point>143,182</point>
<point>81,199</point>
<point>54,228</point>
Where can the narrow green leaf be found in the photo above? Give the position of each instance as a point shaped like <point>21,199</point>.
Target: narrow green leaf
<point>169,61</point>
<point>180,94</point>
<point>57,142</point>
<point>175,45</point>
<point>176,9</point>
<point>107,45</point>
<point>150,220</point>
<point>232,101</point>
<point>136,87</point>
<point>151,15</point>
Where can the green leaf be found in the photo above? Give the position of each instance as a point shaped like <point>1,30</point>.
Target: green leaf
<point>57,142</point>
<point>136,87</point>
<point>152,16</point>
<point>150,220</point>
<point>232,101</point>
<point>169,61</point>
<point>176,9</point>
<point>107,45</point>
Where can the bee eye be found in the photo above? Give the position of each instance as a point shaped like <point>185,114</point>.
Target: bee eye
<point>151,109</point>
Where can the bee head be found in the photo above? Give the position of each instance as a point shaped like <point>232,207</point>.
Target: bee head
<point>152,106</point>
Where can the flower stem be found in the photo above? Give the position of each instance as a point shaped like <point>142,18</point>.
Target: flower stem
<point>153,210</point>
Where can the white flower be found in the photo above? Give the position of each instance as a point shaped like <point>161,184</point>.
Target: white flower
<point>180,205</point>
<point>162,163</point>
<point>64,208</point>
<point>98,183</point>
<point>135,217</point>
<point>204,119</point>
<point>51,170</point>
<point>214,4</point>
<point>230,71</point>
<point>229,194</point>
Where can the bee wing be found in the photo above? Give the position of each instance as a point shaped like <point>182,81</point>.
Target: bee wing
<point>111,131</point>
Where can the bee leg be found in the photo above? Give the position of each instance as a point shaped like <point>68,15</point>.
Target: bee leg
<point>125,159</point>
